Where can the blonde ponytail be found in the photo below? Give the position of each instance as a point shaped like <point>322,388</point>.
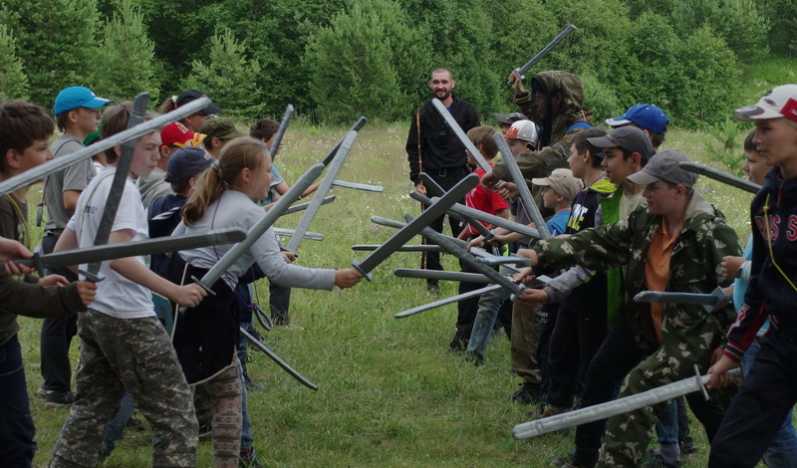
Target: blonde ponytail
<point>237,154</point>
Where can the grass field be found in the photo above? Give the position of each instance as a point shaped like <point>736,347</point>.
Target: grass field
<point>390,392</point>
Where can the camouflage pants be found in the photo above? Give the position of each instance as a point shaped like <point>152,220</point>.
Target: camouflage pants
<point>136,356</point>
<point>524,342</point>
<point>223,392</point>
<point>628,435</point>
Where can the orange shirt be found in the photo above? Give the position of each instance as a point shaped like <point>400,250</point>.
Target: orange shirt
<point>657,270</point>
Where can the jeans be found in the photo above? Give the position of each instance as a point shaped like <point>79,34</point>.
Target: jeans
<point>757,412</point>
<point>490,304</point>
<point>17,444</point>
<point>247,439</point>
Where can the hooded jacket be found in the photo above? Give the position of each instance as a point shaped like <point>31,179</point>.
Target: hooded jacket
<point>773,275</point>
<point>694,266</point>
<point>554,155</point>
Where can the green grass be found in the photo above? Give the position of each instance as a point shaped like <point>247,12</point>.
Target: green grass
<point>390,392</point>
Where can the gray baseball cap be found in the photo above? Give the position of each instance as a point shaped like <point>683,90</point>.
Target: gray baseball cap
<point>509,119</point>
<point>628,138</point>
<point>665,167</point>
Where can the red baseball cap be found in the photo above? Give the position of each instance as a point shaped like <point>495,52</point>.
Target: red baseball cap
<point>177,134</point>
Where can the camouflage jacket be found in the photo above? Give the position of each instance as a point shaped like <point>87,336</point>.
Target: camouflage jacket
<point>541,163</point>
<point>694,266</point>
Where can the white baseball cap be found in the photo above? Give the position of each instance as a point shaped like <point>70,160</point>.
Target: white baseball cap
<point>525,130</point>
<point>781,102</point>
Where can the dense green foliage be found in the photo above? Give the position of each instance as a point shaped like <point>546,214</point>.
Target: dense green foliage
<point>126,62</point>
<point>13,82</point>
<point>335,59</point>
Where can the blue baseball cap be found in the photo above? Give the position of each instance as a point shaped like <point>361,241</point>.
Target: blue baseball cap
<point>186,163</point>
<point>645,116</point>
<point>75,97</point>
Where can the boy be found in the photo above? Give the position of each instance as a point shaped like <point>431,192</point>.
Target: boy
<point>768,392</point>
<point>124,348</point>
<point>173,137</point>
<point>24,131</point>
<point>559,191</point>
<point>77,110</point>
<point>675,244</point>
<point>217,132</point>
<point>473,321</point>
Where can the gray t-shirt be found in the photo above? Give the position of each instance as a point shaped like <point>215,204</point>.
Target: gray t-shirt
<point>235,210</point>
<point>75,177</point>
<point>153,186</point>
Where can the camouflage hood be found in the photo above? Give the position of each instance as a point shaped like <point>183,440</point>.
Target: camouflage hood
<point>572,91</point>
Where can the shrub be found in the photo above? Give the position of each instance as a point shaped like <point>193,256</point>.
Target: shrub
<point>55,41</point>
<point>599,99</point>
<point>125,63</point>
<point>13,82</point>
<point>228,76</point>
<point>354,63</point>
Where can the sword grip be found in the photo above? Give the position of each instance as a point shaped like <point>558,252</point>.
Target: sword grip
<point>366,275</point>
<point>203,285</point>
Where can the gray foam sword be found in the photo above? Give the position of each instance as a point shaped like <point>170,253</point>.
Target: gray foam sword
<point>711,300</point>
<point>463,138</point>
<point>120,177</point>
<point>403,248</point>
<point>286,118</point>
<point>523,188</point>
<point>63,162</point>
<point>406,233</point>
<point>278,360</point>
<point>569,28</point>
<point>303,206</point>
<point>613,408</point>
<point>721,176</point>
<point>441,275</point>
<point>232,255</point>
<point>358,186</point>
<point>100,253</point>
<point>446,301</point>
<point>323,189</point>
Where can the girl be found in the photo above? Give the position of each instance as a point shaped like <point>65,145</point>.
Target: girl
<point>206,336</point>
<point>123,345</point>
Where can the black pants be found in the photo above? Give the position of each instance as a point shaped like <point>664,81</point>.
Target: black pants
<point>279,301</point>
<point>546,320</point>
<point>758,410</point>
<point>446,179</point>
<point>577,335</point>
<point>17,444</point>
<point>56,337</point>
<point>617,355</point>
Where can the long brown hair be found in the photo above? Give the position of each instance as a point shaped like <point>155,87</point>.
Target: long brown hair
<point>239,153</point>
<point>114,120</point>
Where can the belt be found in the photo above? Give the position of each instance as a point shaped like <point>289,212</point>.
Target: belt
<point>444,172</point>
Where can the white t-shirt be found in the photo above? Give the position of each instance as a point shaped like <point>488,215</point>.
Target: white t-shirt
<point>116,295</point>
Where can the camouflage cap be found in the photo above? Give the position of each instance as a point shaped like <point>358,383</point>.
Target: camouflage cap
<point>665,166</point>
<point>223,129</point>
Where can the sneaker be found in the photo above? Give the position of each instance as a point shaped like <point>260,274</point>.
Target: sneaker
<point>687,446</point>
<point>458,344</point>
<point>474,357</point>
<point>552,410</point>
<point>526,394</point>
<point>433,287</point>
<point>56,398</point>
<point>655,460</point>
<point>566,462</point>
<point>248,459</point>
<point>205,431</point>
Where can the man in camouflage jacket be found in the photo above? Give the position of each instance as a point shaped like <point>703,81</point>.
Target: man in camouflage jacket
<point>679,336</point>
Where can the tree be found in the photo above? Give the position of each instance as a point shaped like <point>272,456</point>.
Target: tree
<point>125,64</point>
<point>228,76</point>
<point>13,82</point>
<point>55,41</point>
<point>352,66</point>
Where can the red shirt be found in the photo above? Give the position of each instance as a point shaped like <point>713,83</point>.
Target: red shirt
<point>484,199</point>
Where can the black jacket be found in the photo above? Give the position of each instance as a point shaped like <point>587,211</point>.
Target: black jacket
<point>772,292</point>
<point>439,146</point>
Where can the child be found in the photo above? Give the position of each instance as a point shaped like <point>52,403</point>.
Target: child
<point>559,190</point>
<point>77,111</point>
<point>24,131</point>
<point>484,199</point>
<point>124,348</point>
<point>206,336</point>
<point>194,121</point>
<point>173,137</point>
<point>217,133</point>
